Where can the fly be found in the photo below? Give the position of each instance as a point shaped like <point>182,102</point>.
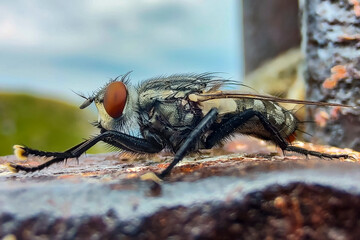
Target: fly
<point>182,113</point>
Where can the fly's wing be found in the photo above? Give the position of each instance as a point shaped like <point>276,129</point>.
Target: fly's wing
<point>202,97</point>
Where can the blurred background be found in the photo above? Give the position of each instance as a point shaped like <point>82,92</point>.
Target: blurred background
<point>50,48</point>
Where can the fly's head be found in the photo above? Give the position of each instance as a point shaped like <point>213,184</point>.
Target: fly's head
<point>116,103</point>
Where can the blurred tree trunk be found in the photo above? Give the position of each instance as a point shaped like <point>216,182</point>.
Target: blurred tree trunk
<point>331,45</point>
<point>270,28</point>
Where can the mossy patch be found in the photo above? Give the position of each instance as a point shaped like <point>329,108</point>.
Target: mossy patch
<point>42,123</point>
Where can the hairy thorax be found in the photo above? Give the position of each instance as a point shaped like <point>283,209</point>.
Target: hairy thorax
<point>168,114</point>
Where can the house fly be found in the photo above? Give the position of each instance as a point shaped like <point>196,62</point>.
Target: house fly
<point>182,113</point>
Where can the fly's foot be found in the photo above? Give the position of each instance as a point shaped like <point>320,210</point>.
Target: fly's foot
<point>352,157</point>
<point>151,176</point>
<point>20,152</point>
<point>11,167</point>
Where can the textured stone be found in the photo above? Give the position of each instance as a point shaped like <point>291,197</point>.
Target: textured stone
<point>210,195</point>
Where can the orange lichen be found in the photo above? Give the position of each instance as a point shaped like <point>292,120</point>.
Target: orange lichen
<point>321,118</point>
<point>338,72</point>
<point>162,165</point>
<point>357,10</point>
<point>356,4</point>
<point>66,176</point>
<point>280,203</point>
<point>347,37</point>
<point>329,83</point>
<point>335,112</point>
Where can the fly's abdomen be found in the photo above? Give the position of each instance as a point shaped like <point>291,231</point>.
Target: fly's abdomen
<point>283,120</point>
<point>280,118</point>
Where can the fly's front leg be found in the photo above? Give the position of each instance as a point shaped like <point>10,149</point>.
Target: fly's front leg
<point>21,152</point>
<point>114,138</point>
<point>194,136</point>
<point>235,122</point>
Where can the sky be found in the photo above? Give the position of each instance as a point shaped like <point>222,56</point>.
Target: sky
<point>51,48</point>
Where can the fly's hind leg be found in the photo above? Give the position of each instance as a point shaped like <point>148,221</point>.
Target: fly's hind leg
<point>235,122</point>
<point>315,153</point>
<point>193,137</point>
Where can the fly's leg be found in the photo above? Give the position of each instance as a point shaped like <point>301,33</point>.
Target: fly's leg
<point>228,127</point>
<point>235,122</point>
<point>114,138</point>
<point>21,152</point>
<point>315,153</point>
<point>191,139</point>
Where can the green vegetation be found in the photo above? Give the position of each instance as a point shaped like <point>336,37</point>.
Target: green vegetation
<point>42,123</point>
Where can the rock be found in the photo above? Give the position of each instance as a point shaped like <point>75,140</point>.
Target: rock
<point>210,195</point>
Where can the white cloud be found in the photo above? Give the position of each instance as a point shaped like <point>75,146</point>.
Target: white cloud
<point>44,41</point>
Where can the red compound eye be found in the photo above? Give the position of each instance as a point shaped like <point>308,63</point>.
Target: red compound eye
<point>115,99</point>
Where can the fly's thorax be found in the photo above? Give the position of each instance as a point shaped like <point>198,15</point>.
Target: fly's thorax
<point>167,113</point>
<point>148,97</point>
<point>128,116</point>
<point>165,107</point>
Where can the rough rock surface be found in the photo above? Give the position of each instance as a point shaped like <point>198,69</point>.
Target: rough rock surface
<point>210,195</point>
